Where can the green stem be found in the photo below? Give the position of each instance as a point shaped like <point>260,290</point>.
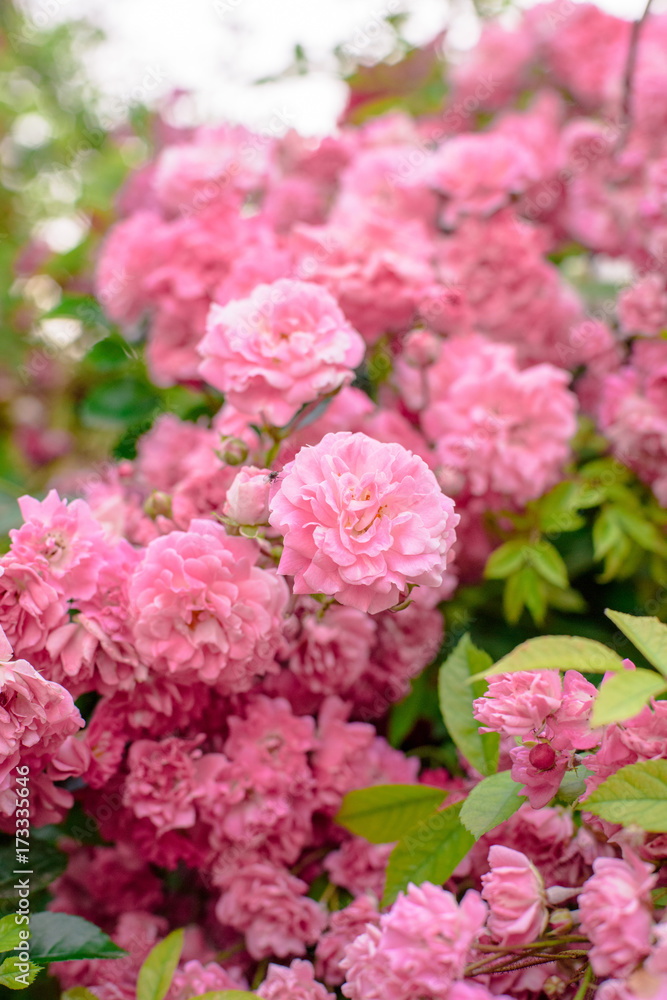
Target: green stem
<point>260,973</point>
<point>585,983</point>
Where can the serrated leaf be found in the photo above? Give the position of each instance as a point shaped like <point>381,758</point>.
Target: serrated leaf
<point>506,559</point>
<point>625,694</point>
<point>456,698</point>
<point>549,563</point>
<point>14,976</point>
<point>157,972</point>
<point>648,634</point>
<point>558,652</point>
<point>9,933</point>
<point>490,803</point>
<point>384,813</point>
<point>61,937</point>
<point>635,795</point>
<point>428,853</point>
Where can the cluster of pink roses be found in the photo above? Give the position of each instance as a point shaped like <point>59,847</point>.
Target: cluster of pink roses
<point>242,599</point>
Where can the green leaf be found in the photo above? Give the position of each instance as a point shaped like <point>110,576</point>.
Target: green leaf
<point>642,531</point>
<point>61,937</point>
<point>558,652</point>
<point>385,813</point>
<point>156,973</point>
<point>607,533</point>
<point>9,933</point>
<point>120,400</point>
<point>490,803</point>
<point>109,354</point>
<point>625,694</point>
<point>15,976</point>
<point>506,559</point>
<point>456,698</point>
<point>648,634</point>
<point>635,795</point>
<point>573,785</point>
<point>82,307</point>
<point>78,993</point>
<point>47,864</point>
<point>428,853</point>
<point>549,563</point>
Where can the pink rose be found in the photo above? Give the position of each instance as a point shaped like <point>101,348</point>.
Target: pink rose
<point>247,500</point>
<point>517,900</point>
<point>362,521</point>
<point>616,914</point>
<point>519,703</point>
<point>283,346</point>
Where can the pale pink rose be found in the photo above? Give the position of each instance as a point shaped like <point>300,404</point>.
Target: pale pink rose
<point>519,703</point>
<point>362,521</point>
<point>616,914</point>
<point>359,866</point>
<point>493,72</point>
<point>270,906</point>
<point>344,926</point>
<point>284,346</point>
<point>329,649</point>
<point>62,541</point>
<point>129,254</point>
<point>419,949</point>
<point>504,430</point>
<point>479,174</point>
<point>204,610</point>
<point>294,983</point>
<point>642,308</point>
<point>516,896</point>
<point>194,979</point>
<point>167,778</point>
<point>569,727</point>
<point>247,499</point>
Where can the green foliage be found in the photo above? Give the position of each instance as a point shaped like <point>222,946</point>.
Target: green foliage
<point>490,803</point>
<point>558,652</point>
<point>428,853</point>
<point>158,970</point>
<point>61,937</point>
<point>47,864</point>
<point>625,694</point>
<point>13,974</point>
<point>456,698</point>
<point>648,634</point>
<point>9,933</point>
<point>384,813</point>
<point>634,795</point>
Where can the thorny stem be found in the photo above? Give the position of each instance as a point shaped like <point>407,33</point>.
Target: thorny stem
<point>628,79</point>
<point>496,963</point>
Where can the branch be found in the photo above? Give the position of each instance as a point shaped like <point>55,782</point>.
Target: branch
<point>628,78</point>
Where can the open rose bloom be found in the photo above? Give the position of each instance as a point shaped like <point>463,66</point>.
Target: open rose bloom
<point>318,671</point>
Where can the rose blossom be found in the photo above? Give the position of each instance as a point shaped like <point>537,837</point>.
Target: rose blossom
<point>283,346</point>
<point>247,500</point>
<point>419,949</point>
<point>362,521</point>
<point>203,609</point>
<point>519,703</point>
<point>294,983</point>
<point>515,893</point>
<point>616,911</point>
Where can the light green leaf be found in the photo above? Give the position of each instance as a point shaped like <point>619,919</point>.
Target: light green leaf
<point>506,559</point>
<point>78,993</point>
<point>428,853</point>
<point>156,973</point>
<point>456,698</point>
<point>648,634</point>
<point>625,694</point>
<point>549,563</point>
<point>15,976</point>
<point>61,937</point>
<point>385,813</point>
<point>635,795</point>
<point>490,803</point>
<point>573,784</point>
<point>9,933</point>
<point>558,652</point>
<point>607,533</point>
